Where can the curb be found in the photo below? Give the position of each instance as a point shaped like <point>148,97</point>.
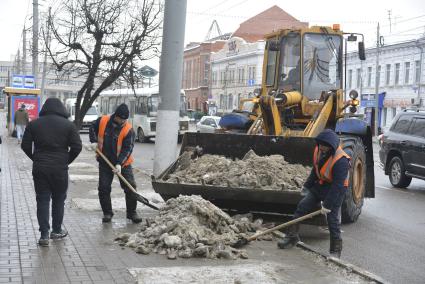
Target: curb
<point>344,264</point>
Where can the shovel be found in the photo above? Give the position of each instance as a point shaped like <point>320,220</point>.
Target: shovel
<point>138,197</point>
<point>244,241</point>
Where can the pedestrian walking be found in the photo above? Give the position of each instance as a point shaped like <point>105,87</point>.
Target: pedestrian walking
<point>114,137</point>
<point>328,182</point>
<point>21,121</point>
<point>52,142</point>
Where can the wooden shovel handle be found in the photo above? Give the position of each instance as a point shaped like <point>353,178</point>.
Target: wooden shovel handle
<point>292,222</point>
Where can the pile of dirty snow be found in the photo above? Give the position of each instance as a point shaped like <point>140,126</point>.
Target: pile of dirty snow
<point>189,226</point>
<point>253,171</point>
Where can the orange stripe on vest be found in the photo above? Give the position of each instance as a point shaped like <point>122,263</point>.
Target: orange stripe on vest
<point>123,133</point>
<point>325,173</point>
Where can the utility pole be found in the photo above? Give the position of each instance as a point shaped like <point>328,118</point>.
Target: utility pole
<point>35,40</point>
<point>18,62</point>
<point>24,51</point>
<point>170,84</point>
<point>46,43</point>
<point>378,44</point>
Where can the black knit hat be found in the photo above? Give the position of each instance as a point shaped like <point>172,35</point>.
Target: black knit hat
<point>122,111</point>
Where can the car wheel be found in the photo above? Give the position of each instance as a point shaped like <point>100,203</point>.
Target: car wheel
<point>141,136</point>
<point>397,173</point>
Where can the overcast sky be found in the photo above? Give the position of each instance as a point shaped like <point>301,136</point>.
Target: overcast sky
<point>407,17</point>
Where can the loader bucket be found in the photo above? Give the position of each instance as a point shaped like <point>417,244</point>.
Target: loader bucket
<point>242,200</point>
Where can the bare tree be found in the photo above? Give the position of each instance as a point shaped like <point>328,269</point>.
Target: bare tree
<point>103,41</point>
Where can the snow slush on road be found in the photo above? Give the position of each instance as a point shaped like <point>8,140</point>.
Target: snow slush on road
<point>189,226</point>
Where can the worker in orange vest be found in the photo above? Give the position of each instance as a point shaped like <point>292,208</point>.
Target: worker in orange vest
<point>327,183</point>
<point>115,137</point>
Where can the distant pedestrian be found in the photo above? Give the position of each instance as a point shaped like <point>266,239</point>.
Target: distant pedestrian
<point>21,121</point>
<point>114,137</point>
<point>56,144</point>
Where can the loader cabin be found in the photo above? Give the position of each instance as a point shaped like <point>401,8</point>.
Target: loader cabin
<point>301,69</point>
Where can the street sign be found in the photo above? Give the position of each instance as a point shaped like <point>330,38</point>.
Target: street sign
<point>23,81</point>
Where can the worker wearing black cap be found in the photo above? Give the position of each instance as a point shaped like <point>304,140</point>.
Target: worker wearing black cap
<point>328,182</point>
<point>115,139</point>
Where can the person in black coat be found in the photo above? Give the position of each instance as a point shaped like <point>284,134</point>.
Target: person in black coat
<point>329,189</point>
<point>56,143</point>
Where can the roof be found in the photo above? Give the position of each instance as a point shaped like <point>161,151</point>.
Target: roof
<point>270,20</point>
<point>22,91</point>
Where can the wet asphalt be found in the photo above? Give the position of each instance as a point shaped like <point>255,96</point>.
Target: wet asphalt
<point>388,238</point>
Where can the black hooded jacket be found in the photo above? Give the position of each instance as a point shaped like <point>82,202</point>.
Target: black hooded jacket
<point>339,170</point>
<point>56,139</point>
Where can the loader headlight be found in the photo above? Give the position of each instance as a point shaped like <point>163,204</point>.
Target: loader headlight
<point>353,94</point>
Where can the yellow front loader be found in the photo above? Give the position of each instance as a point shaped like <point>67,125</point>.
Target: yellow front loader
<point>302,93</point>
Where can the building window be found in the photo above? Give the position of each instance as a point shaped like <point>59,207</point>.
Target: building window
<point>222,77</point>
<point>241,75</point>
<point>369,76</point>
<point>397,74</point>
<point>394,111</point>
<point>384,116</point>
<point>387,74</point>
<point>221,101</point>
<point>417,71</point>
<point>232,76</point>
<point>406,72</point>
<point>230,105</point>
<point>350,78</point>
<point>251,75</point>
<point>359,78</point>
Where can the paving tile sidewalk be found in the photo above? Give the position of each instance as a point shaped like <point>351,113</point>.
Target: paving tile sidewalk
<point>88,254</point>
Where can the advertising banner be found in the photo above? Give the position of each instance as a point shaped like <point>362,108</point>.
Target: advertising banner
<point>32,105</point>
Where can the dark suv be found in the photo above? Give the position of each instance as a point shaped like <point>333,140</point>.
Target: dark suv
<point>402,150</point>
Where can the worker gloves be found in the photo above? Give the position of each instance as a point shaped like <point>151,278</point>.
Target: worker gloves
<point>91,147</point>
<point>117,169</point>
<point>324,210</point>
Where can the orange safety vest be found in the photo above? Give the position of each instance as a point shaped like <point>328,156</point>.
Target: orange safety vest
<point>123,133</point>
<point>325,173</point>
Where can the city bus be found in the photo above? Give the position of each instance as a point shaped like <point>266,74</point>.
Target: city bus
<point>143,106</point>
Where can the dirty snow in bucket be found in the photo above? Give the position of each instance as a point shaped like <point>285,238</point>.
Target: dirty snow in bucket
<point>189,226</point>
<point>253,171</point>
<point>250,273</point>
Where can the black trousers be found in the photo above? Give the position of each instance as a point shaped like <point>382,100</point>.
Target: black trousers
<point>106,177</point>
<point>311,202</point>
<point>50,185</point>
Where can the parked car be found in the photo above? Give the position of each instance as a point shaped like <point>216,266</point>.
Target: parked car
<point>208,124</point>
<point>402,152</point>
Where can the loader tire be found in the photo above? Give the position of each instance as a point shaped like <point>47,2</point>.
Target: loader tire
<point>141,136</point>
<point>354,198</point>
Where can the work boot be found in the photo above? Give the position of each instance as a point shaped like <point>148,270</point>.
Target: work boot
<point>59,234</point>
<point>289,241</point>
<point>44,240</point>
<point>107,218</point>
<point>134,217</point>
<point>335,248</point>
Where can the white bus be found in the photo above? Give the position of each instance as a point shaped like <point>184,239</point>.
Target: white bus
<point>91,115</point>
<point>143,105</point>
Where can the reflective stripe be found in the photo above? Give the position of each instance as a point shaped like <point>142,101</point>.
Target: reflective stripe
<point>123,133</point>
<point>101,133</point>
<point>325,173</point>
